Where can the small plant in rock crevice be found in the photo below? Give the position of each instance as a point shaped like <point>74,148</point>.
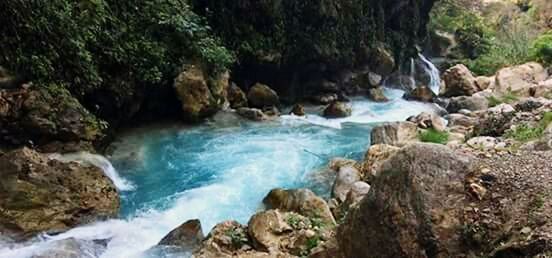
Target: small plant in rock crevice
<point>433,136</point>
<point>237,236</point>
<point>525,132</point>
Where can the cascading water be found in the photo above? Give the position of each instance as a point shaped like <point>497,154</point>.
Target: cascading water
<point>433,72</point>
<point>215,172</point>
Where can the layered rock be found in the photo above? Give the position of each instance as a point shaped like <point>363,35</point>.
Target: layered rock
<point>395,133</point>
<point>413,208</point>
<point>302,201</point>
<point>40,194</point>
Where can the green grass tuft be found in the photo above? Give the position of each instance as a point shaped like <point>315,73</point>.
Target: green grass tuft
<point>525,133</point>
<point>434,136</point>
<point>508,98</point>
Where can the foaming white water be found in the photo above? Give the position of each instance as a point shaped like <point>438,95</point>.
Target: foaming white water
<point>365,111</point>
<point>98,161</point>
<point>433,72</point>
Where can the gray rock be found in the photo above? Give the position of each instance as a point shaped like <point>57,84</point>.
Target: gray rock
<point>187,236</point>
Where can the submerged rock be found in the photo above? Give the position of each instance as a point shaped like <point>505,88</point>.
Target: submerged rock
<point>302,201</point>
<point>187,236</point>
<point>262,96</point>
<point>39,194</point>
<point>337,110</point>
<point>459,81</point>
<point>396,133</point>
<point>413,207</point>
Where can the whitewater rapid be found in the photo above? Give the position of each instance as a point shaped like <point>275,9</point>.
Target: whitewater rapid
<point>216,172</point>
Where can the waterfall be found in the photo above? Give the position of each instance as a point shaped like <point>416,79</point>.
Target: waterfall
<point>433,72</point>
<point>412,76</point>
<point>99,161</point>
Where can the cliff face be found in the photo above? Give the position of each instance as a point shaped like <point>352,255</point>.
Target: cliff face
<point>288,42</point>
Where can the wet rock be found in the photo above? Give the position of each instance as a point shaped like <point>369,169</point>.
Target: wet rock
<point>412,209</point>
<point>459,81</point>
<point>39,194</point>
<point>377,95</point>
<point>471,103</point>
<point>374,158</point>
<point>396,133</point>
<point>298,110</point>
<point>302,201</point>
<point>253,114</point>
<point>346,177</point>
<point>194,94</point>
<point>382,61</point>
<point>236,97</point>
<point>519,79</point>
<point>374,79</point>
<point>337,110</point>
<point>325,99</point>
<point>71,248</point>
<point>261,96</point>
<point>426,120</point>
<point>187,236</point>
<point>422,93</point>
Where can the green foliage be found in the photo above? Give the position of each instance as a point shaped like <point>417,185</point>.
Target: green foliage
<point>90,44</point>
<point>238,237</point>
<point>541,48</point>
<point>508,98</point>
<point>434,136</point>
<point>525,133</point>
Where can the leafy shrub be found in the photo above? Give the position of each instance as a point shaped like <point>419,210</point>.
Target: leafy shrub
<point>434,136</point>
<point>541,48</point>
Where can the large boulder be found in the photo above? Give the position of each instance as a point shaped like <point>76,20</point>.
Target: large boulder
<point>337,110</point>
<point>298,110</point>
<point>422,93</point>
<point>377,94</point>
<point>413,208</point>
<point>459,81</point>
<point>72,248</point>
<point>236,97</point>
<point>196,97</point>
<point>262,96</point>
<point>395,133</point>
<point>187,236</point>
<point>302,201</point>
<point>39,194</point>
<point>374,158</point>
<point>346,177</point>
<point>472,103</point>
<point>520,79</point>
<point>42,114</point>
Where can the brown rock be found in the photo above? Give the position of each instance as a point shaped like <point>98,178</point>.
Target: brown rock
<point>252,114</point>
<point>381,61</point>
<point>412,209</point>
<point>261,96</point>
<point>422,93</point>
<point>302,201</point>
<point>346,177</point>
<point>377,94</point>
<point>39,194</point>
<point>298,110</point>
<point>236,97</point>
<point>374,158</point>
<point>188,235</point>
<point>396,133</point>
<point>459,81</point>
<point>337,110</point>
<point>519,79</point>
<point>426,120</point>
<point>195,96</point>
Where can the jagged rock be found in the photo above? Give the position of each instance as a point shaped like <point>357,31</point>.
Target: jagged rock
<point>266,229</point>
<point>374,79</point>
<point>459,81</point>
<point>195,96</point>
<point>337,110</point>
<point>236,97</point>
<point>346,177</point>
<point>261,96</point>
<point>72,248</point>
<point>396,133</point>
<point>381,61</point>
<point>413,207</point>
<point>472,103</point>
<point>40,194</point>
<point>457,119</point>
<point>377,94</point>
<point>302,201</point>
<point>226,240</point>
<point>298,110</point>
<point>422,93</point>
<point>45,114</point>
<point>374,158</point>
<point>519,79</point>
<point>252,114</point>
<point>494,121</point>
<point>187,236</point>
<point>426,120</point>
<point>337,163</point>
<point>528,105</point>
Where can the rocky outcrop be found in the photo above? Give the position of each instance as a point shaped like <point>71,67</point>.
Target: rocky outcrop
<point>459,81</point>
<point>377,94</point>
<point>236,97</point>
<point>40,115</point>
<point>71,247</point>
<point>346,177</point>
<point>396,133</point>
<point>253,114</point>
<point>520,79</point>
<point>39,194</point>
<point>302,201</point>
<point>298,110</point>
<point>413,208</point>
<point>422,93</point>
<point>261,96</point>
<point>337,110</point>
<point>374,158</point>
<point>200,97</point>
<point>187,236</point>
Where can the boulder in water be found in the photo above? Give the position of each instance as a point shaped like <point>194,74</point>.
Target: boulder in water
<point>459,81</point>
<point>324,99</point>
<point>195,96</point>
<point>413,208</point>
<point>187,236</point>
<point>40,194</point>
<point>382,61</point>
<point>236,97</point>
<point>302,201</point>
<point>377,94</point>
<point>253,114</point>
<point>422,93</point>
<point>396,133</point>
<point>337,110</point>
<point>298,110</point>
<point>262,96</point>
<point>72,248</point>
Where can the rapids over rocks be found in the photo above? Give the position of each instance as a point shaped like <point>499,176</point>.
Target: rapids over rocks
<point>218,171</point>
